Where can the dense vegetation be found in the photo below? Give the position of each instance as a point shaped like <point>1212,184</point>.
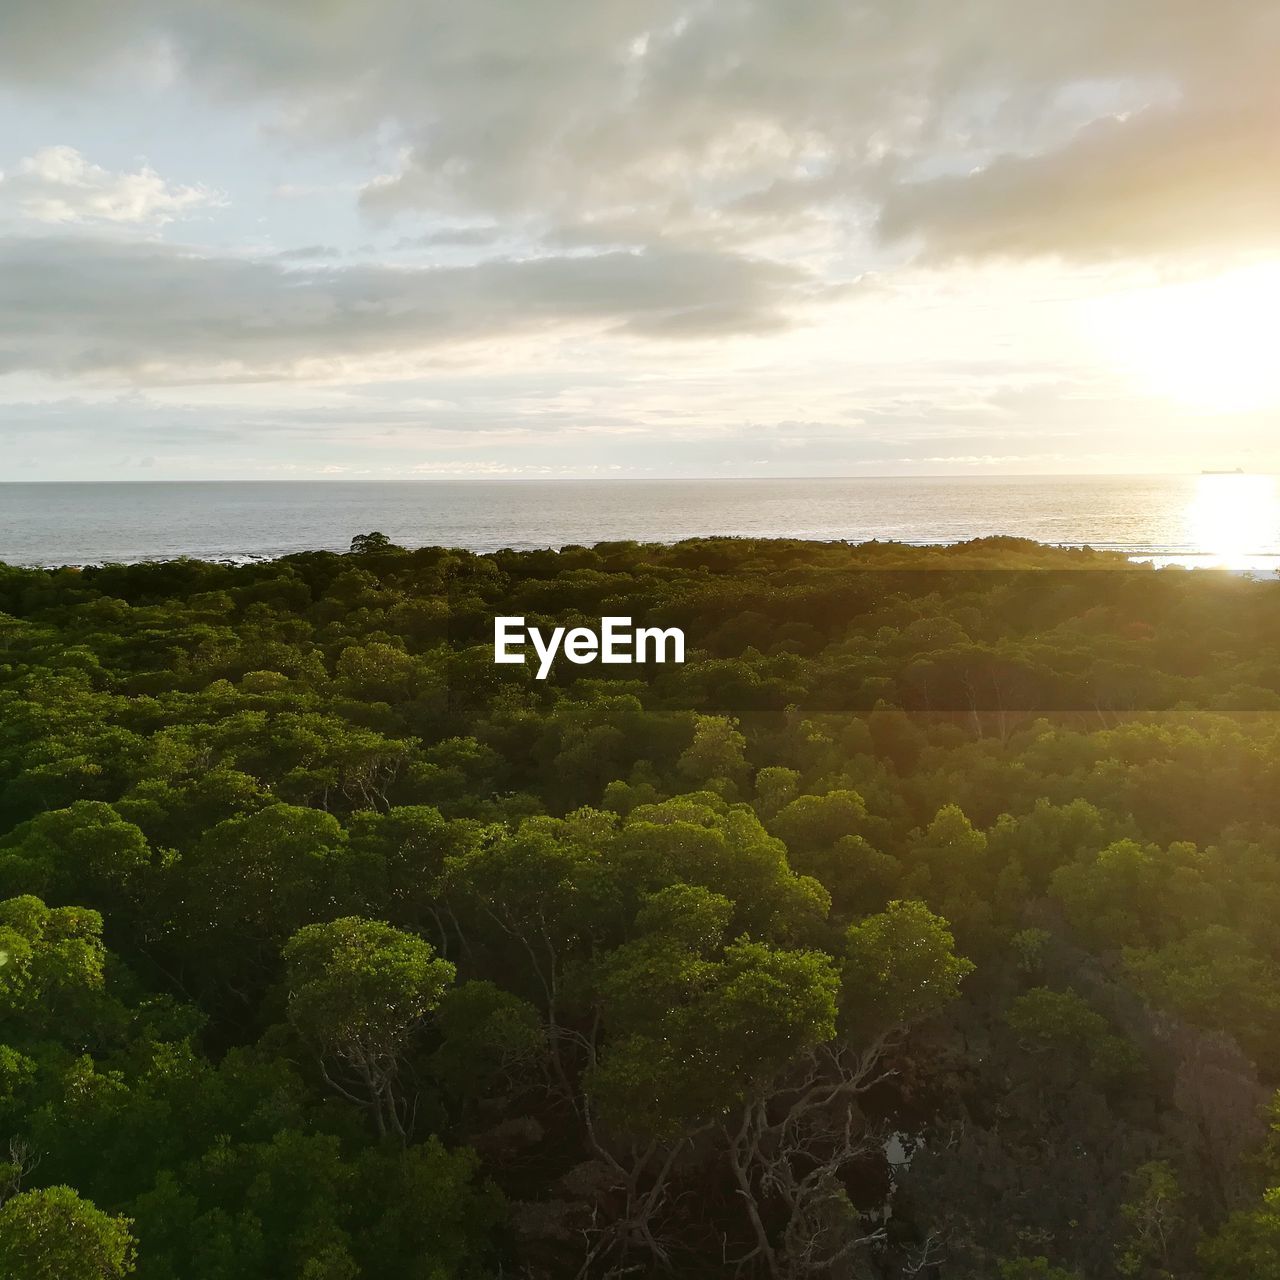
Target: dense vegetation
<point>924,923</point>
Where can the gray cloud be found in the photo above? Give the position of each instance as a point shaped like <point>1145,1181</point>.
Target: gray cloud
<point>308,253</point>
<point>452,237</point>
<point>1162,181</point>
<point>994,126</point>
<point>70,306</point>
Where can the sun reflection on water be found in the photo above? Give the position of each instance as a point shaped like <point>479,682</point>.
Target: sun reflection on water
<point>1234,520</point>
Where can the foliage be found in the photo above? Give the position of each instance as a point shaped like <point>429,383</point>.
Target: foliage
<point>922,922</point>
<point>53,1234</point>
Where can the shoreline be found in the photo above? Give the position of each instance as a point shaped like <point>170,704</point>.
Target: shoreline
<point>1159,559</point>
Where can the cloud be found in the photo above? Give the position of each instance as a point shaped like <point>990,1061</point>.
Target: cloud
<point>308,253</point>
<point>580,205</point>
<point>1161,182</point>
<point>993,126</point>
<point>59,187</point>
<point>452,237</point>
<point>150,311</point>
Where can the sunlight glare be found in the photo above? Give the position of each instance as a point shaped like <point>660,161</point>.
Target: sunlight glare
<point>1233,518</point>
<point>1210,344</point>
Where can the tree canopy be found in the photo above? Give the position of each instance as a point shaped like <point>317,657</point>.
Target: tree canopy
<point>921,923</point>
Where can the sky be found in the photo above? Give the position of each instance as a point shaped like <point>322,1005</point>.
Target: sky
<point>292,239</point>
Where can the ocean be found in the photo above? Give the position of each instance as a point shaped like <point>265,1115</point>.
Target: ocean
<point>1226,521</point>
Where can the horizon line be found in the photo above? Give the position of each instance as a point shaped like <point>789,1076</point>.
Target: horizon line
<point>640,479</point>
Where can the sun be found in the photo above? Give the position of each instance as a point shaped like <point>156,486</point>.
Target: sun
<point>1234,520</point>
<point>1210,344</point>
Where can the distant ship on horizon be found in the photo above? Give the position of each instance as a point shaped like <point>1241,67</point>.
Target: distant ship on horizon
<point>1233,471</point>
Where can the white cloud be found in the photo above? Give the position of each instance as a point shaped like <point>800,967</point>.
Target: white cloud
<point>57,186</point>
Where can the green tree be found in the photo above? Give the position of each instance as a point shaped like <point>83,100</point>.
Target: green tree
<point>364,544</point>
<point>51,966</point>
<point>1037,1268</point>
<point>899,966</point>
<point>1247,1247</point>
<point>53,1234</point>
<point>251,882</point>
<point>715,756</point>
<point>1153,1214</point>
<point>358,992</point>
<point>86,852</point>
<point>1062,1025</point>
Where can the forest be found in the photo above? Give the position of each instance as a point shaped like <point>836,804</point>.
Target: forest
<point>922,923</point>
